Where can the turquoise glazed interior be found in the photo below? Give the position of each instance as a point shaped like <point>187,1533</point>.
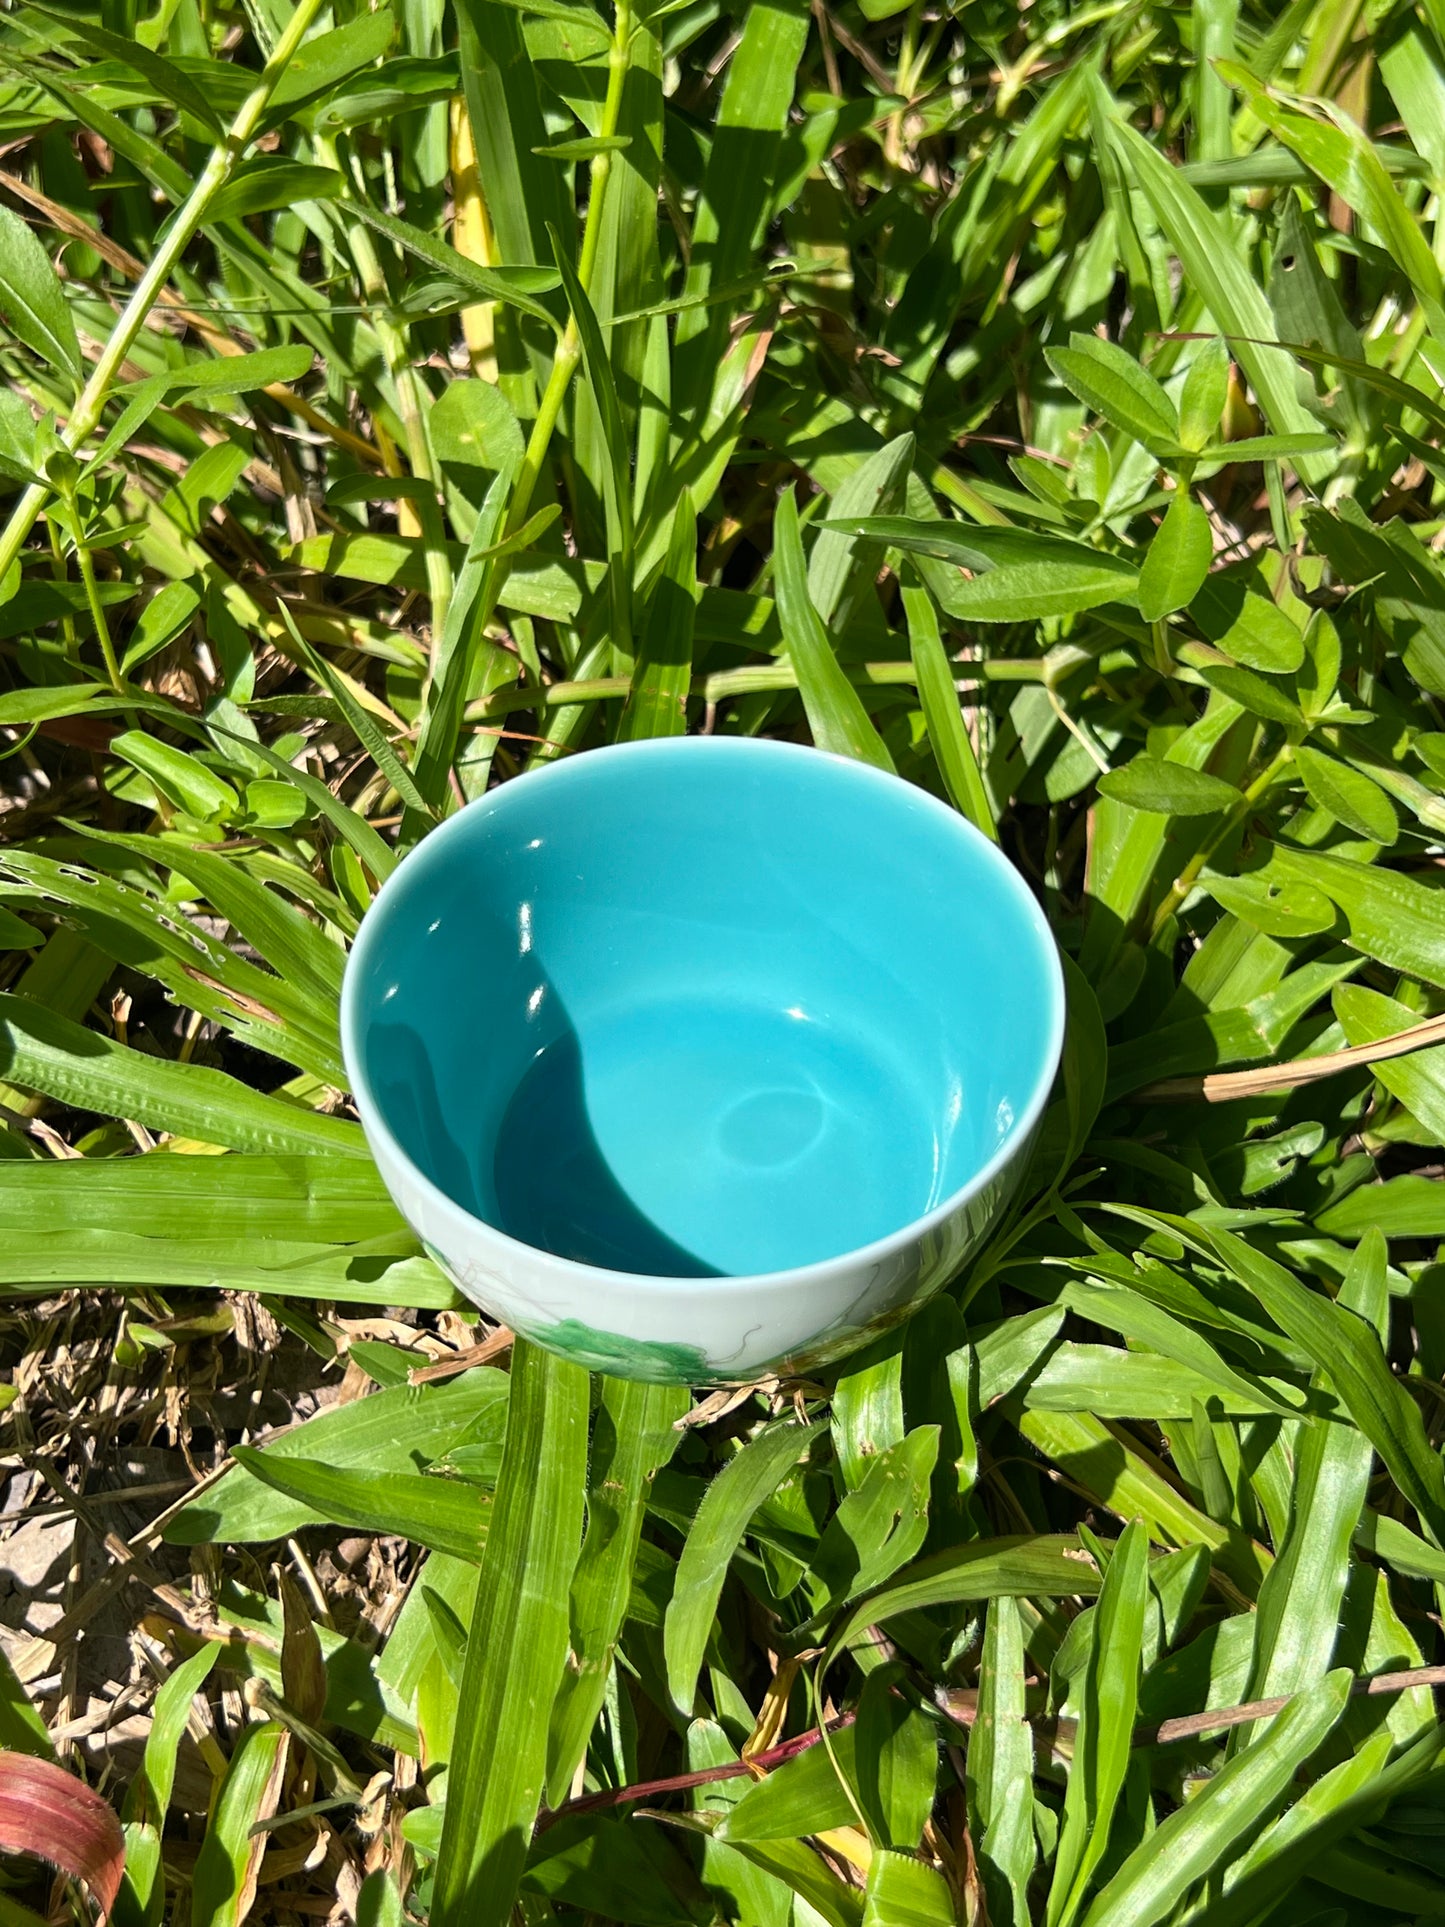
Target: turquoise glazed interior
<point>703,1008</point>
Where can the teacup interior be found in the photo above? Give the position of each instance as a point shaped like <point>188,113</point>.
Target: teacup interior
<point>703,1009</point>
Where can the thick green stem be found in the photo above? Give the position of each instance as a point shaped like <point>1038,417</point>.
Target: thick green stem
<point>1179,890</point>
<point>182,231</point>
<point>92,597</point>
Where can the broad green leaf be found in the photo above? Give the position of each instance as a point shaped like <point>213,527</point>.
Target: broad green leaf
<point>1267,448</point>
<point>32,304</point>
<point>323,62</point>
<point>1108,1383</point>
<point>267,181</point>
<point>1197,1838</point>
<point>717,1532</point>
<point>1169,789</point>
<point>516,1644</point>
<point>1021,1566</point>
<point>1251,692</point>
<point>867,1415</point>
<point>1008,1353</point>
<point>473,424</point>
<point>378,1904</point>
<point>16,933</point>
<point>228,1864</point>
<point>903,1892</point>
<point>796,1866</point>
<point>1417,1080</point>
<point>1030,591</point>
<point>879,1525</point>
<point>49,1054</point>
<point>1348,795</point>
<point>836,715</point>
<point>1247,626</point>
<point>843,566</point>
<point>1180,552</point>
<point>391,1431</point>
<point>1147,1324</point>
<point>1104,1463</point>
<point>896,1762</point>
<point>162,619</point>
<point>746,1887</point>
<point>1278,909</point>
<point>179,778</point>
<point>1108,379</point>
<point>1393,918</point>
<point>1203,396</point>
<point>1301,1598</point>
<point>434,1512</point>
<point>383,1271</point>
<point>805,1795</point>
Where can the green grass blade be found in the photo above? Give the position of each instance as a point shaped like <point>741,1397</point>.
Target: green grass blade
<point>636,1435</point>
<point>441,1514</point>
<point>391,1431</point>
<point>1106,1724</point>
<point>717,1532</point>
<point>1001,1770</point>
<point>836,715</point>
<point>516,1644</point>
<point>1350,1797</point>
<point>148,1797</point>
<point>842,566</point>
<point>657,700</point>
<point>229,1862</point>
<point>1210,257</point>
<point>1348,1350</point>
<point>1196,1840</point>
<point>903,1892</point>
<point>947,732</point>
<point>47,1053</point>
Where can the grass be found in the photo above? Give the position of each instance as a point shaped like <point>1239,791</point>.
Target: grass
<point>1043,404</point>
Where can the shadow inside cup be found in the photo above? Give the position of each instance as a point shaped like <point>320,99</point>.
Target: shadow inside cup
<point>533,1167</point>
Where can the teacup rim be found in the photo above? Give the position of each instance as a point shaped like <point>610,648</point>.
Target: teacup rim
<point>1017,1143</point>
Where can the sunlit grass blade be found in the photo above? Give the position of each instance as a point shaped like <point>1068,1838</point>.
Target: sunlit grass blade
<point>636,1435</point>
<point>516,1644</point>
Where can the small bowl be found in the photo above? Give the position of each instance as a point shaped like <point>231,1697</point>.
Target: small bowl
<point>704,1058</point>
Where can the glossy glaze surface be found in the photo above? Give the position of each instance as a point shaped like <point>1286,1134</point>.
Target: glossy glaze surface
<point>700,1010</point>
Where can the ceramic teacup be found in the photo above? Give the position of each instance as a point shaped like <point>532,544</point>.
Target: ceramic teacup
<point>702,1058</point>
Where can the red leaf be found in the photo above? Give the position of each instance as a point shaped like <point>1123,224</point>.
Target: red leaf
<point>50,1813</point>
